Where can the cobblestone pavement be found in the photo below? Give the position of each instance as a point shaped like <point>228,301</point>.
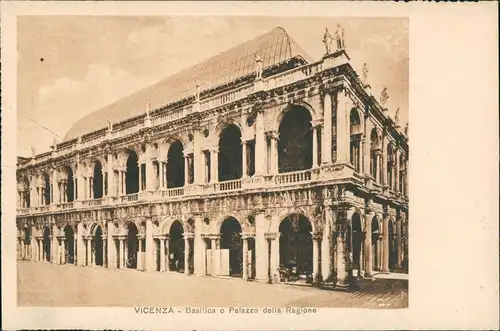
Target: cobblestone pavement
<point>44,284</point>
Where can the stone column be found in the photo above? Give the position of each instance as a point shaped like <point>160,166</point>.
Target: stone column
<point>316,242</point>
<point>244,171</point>
<point>398,241</point>
<point>167,253</point>
<point>368,256</point>
<point>315,146</point>
<point>197,158</point>
<point>104,251</point>
<point>63,250</point>
<point>215,255</point>
<point>261,247</point>
<point>385,239</point>
<point>274,136</point>
<point>40,250</point>
<point>326,249</point>
<point>187,252</point>
<point>122,255</point>
<point>54,195</point>
<point>343,127</point>
<point>111,246</point>
<point>396,168</point>
<point>150,174</point>
<point>214,165</point>
<point>150,248</point>
<point>140,265</point>
<point>139,164</point>
<point>186,168</point>
<point>245,257</point>
<point>260,145</point>
<point>162,254</point>
<point>326,141</point>
<point>199,251</point>
<point>89,251</point>
<point>384,160</point>
<point>342,274</point>
<point>111,177</point>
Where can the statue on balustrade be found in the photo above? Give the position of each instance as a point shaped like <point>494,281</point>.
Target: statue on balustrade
<point>33,152</point>
<point>396,117</point>
<point>110,126</point>
<point>327,40</point>
<point>384,96</point>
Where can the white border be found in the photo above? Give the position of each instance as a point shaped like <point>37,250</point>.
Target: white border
<point>453,170</point>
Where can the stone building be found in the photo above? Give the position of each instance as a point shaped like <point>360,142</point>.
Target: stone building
<point>256,159</point>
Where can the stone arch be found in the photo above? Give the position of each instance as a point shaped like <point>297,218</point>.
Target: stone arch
<point>279,115</point>
<point>296,244</point>
<point>355,238</point>
<point>216,226</point>
<point>215,135</point>
<point>177,243</point>
<point>132,174</point>
<point>231,239</point>
<point>166,224</point>
<point>98,178</point>
<point>275,222</point>
<point>92,226</point>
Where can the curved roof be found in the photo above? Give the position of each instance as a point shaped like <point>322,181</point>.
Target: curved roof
<point>274,47</point>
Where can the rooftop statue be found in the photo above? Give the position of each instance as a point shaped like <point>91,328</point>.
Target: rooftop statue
<point>396,117</point>
<point>339,36</point>
<point>258,63</point>
<point>327,40</point>
<point>110,126</point>
<point>197,90</point>
<point>384,96</point>
<point>148,108</point>
<point>365,74</point>
<point>54,143</point>
<point>33,152</point>
<point>406,129</point>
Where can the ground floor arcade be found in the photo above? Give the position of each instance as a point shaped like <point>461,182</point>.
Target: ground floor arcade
<point>259,248</point>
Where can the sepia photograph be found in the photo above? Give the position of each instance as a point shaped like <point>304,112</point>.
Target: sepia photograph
<point>213,162</point>
<point>249,165</point>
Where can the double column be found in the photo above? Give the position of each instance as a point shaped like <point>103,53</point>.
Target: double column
<point>343,106</point>
<point>164,253</point>
<point>272,138</point>
<point>214,165</point>
<point>215,248</point>
<point>315,125</point>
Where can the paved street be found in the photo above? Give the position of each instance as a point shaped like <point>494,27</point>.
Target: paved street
<point>44,284</point>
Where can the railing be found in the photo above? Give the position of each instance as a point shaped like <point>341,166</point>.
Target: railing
<point>67,205</point>
<point>229,185</point>
<point>173,192</point>
<point>293,177</point>
<point>23,210</point>
<point>96,202</point>
<point>130,197</point>
<point>169,116</point>
<point>292,76</point>
<point>227,97</point>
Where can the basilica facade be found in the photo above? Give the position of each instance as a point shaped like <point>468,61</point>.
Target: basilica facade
<point>257,160</point>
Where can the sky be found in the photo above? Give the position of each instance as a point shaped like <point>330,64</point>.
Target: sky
<point>70,66</point>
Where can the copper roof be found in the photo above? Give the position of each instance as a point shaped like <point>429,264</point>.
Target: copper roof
<point>274,47</point>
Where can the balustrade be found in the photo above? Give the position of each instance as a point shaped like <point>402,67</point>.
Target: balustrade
<point>130,197</point>
<point>173,192</point>
<point>228,185</point>
<point>293,177</point>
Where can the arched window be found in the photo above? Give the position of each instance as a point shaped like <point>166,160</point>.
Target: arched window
<point>70,185</point>
<point>47,189</point>
<point>230,154</point>
<point>132,173</point>
<point>295,144</point>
